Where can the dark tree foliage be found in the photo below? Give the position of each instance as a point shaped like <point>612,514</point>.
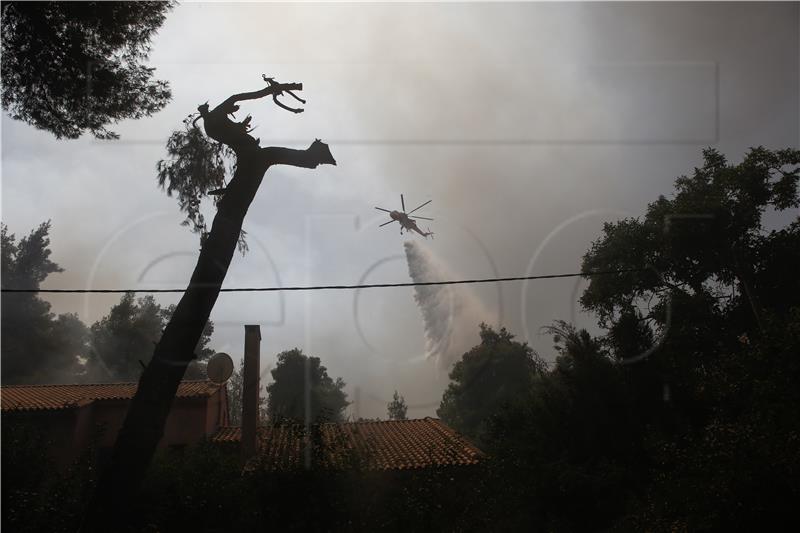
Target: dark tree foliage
<point>738,469</point>
<point>717,278</point>
<point>396,409</point>
<point>121,343</point>
<point>682,414</point>
<point>488,376</point>
<point>76,67</point>
<point>38,494</point>
<point>37,346</point>
<point>707,244</point>
<point>297,377</point>
<point>204,489</point>
<point>195,166</point>
<point>26,264</point>
<point>562,448</point>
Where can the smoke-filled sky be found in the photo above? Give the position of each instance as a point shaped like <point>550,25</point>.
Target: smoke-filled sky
<point>528,125</point>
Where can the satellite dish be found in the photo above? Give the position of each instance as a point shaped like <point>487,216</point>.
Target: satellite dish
<point>220,368</point>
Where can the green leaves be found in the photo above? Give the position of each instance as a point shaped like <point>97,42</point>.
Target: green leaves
<point>26,264</point>
<point>722,302</point>
<point>37,346</point>
<point>700,242</point>
<point>491,374</point>
<point>396,409</point>
<point>297,377</point>
<point>122,341</point>
<point>75,67</point>
<point>196,165</point>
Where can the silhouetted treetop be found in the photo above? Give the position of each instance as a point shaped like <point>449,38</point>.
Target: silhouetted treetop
<point>122,342</point>
<point>298,379</point>
<point>26,263</point>
<point>488,376</point>
<point>75,67</point>
<point>397,408</point>
<point>705,240</point>
<point>37,346</point>
<point>196,165</point>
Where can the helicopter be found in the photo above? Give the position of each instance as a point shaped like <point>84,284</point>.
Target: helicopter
<point>407,222</point>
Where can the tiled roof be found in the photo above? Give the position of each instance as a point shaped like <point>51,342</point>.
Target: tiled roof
<point>47,397</point>
<point>370,445</point>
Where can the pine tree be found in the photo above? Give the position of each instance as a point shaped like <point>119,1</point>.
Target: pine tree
<point>397,407</point>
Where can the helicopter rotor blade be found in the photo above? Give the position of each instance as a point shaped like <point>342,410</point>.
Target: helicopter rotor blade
<point>420,207</point>
<point>421,218</point>
<point>382,225</point>
<point>402,202</point>
<point>382,209</point>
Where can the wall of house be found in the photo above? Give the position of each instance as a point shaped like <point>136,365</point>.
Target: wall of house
<point>107,418</point>
<point>72,431</point>
<point>83,427</point>
<point>216,411</point>
<point>186,422</point>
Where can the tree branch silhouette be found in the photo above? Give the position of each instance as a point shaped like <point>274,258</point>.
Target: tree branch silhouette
<point>144,423</point>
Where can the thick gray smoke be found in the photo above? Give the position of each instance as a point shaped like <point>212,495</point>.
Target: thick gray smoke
<point>451,313</point>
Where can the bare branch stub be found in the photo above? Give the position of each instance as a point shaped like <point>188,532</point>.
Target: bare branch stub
<point>272,82</point>
<point>221,128</point>
<point>236,135</point>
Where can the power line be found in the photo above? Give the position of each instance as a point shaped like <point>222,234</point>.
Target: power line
<point>341,287</point>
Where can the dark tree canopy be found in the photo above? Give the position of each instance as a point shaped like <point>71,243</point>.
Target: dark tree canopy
<point>297,377</point>
<point>567,440</point>
<point>37,346</point>
<point>677,416</point>
<point>717,318</point>
<point>706,245</point>
<point>195,166</point>
<point>491,374</point>
<point>76,67</point>
<point>122,342</point>
<point>715,274</point>
<point>396,409</point>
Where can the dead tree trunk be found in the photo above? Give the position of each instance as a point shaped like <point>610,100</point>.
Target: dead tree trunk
<point>144,423</point>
